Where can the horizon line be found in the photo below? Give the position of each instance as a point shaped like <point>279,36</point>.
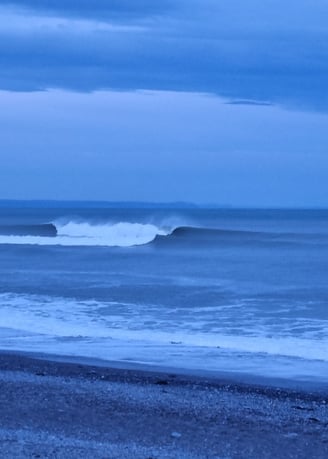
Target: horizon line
<point>162,204</point>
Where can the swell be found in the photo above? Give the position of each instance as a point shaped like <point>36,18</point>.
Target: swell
<point>192,230</point>
<point>200,233</point>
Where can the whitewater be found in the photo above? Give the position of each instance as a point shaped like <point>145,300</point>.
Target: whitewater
<point>122,234</point>
<point>214,290</point>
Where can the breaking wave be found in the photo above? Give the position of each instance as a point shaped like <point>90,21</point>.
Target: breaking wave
<point>121,234</point>
<point>127,234</point>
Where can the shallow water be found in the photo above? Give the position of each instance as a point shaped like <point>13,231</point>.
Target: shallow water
<point>223,290</point>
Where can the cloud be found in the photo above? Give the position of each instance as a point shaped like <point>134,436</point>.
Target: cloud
<point>267,52</point>
<point>100,9</point>
<point>249,102</point>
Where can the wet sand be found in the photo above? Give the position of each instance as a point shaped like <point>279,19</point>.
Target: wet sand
<point>57,409</point>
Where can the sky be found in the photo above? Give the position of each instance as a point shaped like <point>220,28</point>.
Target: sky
<point>208,101</point>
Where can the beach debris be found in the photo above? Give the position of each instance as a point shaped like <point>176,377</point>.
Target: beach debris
<point>92,372</point>
<point>162,382</point>
<point>314,420</point>
<point>176,435</point>
<point>303,408</point>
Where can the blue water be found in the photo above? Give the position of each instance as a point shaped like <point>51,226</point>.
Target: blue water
<point>218,290</point>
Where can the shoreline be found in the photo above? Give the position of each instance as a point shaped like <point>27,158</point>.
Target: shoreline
<point>51,407</point>
<point>228,377</point>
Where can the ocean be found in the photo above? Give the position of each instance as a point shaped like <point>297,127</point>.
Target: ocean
<point>217,290</point>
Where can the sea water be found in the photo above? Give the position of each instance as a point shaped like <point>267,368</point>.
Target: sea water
<point>200,289</point>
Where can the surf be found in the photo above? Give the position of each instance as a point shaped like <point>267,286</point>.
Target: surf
<point>130,234</point>
<point>122,234</point>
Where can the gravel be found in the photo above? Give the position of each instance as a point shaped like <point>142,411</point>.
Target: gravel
<point>52,409</point>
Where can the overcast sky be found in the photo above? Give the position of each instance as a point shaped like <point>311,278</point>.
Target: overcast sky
<point>210,101</point>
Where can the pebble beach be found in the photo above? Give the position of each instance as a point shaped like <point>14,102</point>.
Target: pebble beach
<point>59,409</point>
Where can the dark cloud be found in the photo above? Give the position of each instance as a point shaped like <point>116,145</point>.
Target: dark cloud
<point>249,102</point>
<point>244,51</point>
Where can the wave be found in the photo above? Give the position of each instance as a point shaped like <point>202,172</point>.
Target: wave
<point>21,317</point>
<point>123,234</point>
<point>127,234</point>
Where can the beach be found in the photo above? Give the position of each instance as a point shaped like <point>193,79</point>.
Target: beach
<point>51,408</point>
<point>163,333</point>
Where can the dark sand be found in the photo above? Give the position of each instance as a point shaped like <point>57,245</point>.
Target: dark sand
<point>53,409</point>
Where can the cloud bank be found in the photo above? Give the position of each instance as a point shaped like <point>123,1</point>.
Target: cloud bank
<point>267,52</point>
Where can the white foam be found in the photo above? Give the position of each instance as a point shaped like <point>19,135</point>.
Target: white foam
<point>55,317</point>
<point>123,234</point>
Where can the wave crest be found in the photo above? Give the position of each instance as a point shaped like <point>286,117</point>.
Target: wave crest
<point>123,234</point>
<point>128,234</point>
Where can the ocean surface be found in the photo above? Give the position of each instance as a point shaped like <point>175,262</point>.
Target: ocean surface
<point>243,291</point>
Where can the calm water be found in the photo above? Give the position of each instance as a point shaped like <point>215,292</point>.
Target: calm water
<point>227,290</point>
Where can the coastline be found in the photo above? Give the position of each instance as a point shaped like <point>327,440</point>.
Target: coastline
<point>222,377</point>
<point>53,407</point>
